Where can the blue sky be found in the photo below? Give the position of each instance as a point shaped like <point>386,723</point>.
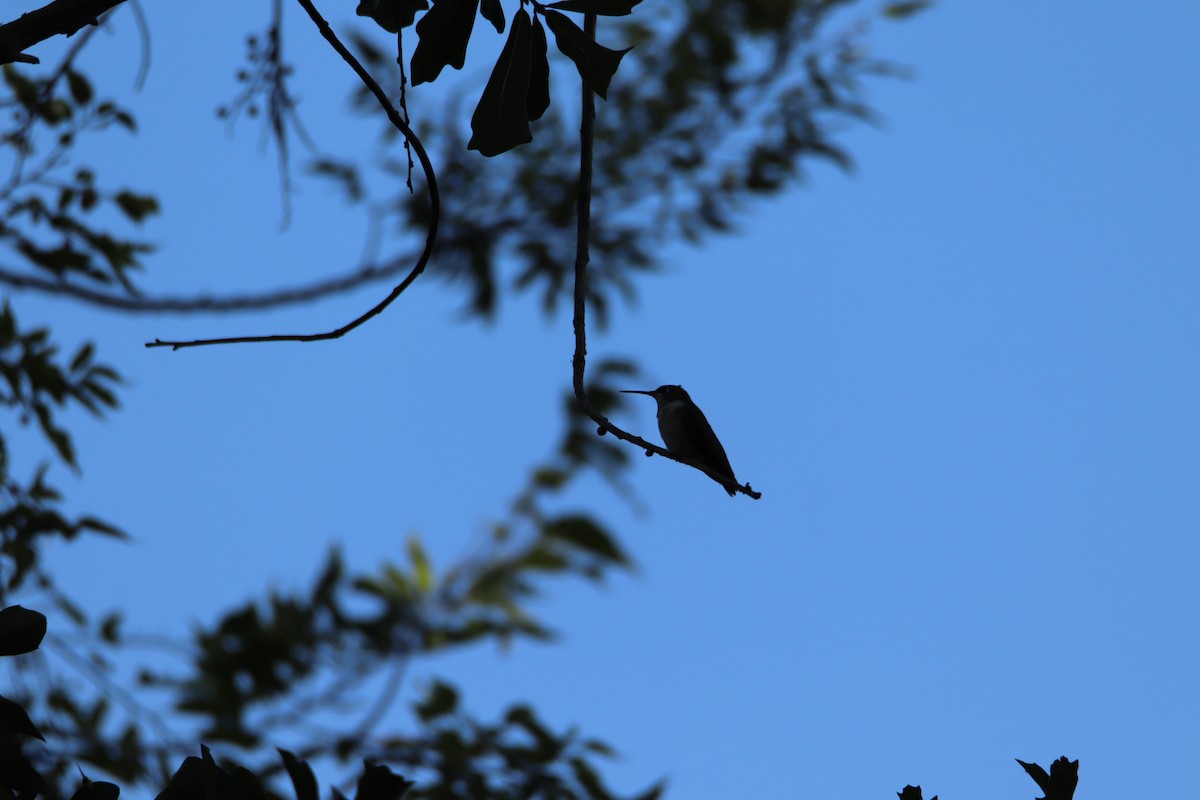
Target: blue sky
<point>965,379</point>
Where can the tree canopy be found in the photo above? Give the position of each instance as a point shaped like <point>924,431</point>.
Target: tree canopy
<point>706,106</point>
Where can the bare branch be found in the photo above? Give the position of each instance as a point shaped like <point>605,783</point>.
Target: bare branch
<point>434,211</point>
<point>582,235</point>
<point>59,17</point>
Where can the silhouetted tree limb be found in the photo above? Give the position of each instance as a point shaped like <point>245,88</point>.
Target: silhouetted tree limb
<point>434,202</point>
<point>208,304</point>
<point>59,17</point>
<point>582,233</point>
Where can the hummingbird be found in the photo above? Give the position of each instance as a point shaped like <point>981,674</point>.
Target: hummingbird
<point>686,432</point>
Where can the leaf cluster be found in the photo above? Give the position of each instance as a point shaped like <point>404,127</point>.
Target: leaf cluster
<point>36,383</point>
<point>54,220</point>
<point>518,90</point>
<point>717,104</point>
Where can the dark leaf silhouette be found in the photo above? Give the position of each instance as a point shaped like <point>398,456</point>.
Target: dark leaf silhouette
<point>1060,783</point>
<point>96,790</point>
<point>608,8</point>
<point>13,719</point>
<point>493,12</point>
<point>501,121</point>
<point>21,630</point>
<point>444,32</point>
<point>391,15</point>
<point>303,780</point>
<point>537,99</point>
<point>380,783</point>
<point>596,63</point>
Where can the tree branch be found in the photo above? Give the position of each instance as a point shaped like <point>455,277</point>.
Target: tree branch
<point>59,17</point>
<point>583,229</point>
<point>434,211</point>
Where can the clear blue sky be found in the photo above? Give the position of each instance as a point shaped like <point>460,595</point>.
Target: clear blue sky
<point>966,379</point>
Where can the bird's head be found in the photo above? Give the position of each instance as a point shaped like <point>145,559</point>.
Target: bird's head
<point>668,393</point>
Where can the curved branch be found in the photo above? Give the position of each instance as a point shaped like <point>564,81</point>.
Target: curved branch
<point>434,212</point>
<point>582,234</point>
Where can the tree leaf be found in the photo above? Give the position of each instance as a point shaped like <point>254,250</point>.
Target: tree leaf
<point>21,630</point>
<point>501,120</point>
<point>493,12</point>
<point>441,700</point>
<point>380,783</point>
<point>904,10</point>
<point>537,99</point>
<point>444,32</point>
<point>303,781</point>
<point>596,63</point>
<point>586,535</point>
<point>96,790</point>
<point>391,15</point>
<point>607,8</point>
<point>13,719</point>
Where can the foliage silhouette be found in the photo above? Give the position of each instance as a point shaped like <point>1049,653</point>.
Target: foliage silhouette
<point>668,165</point>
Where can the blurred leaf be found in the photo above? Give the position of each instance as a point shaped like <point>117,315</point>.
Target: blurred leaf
<point>137,206</point>
<point>596,63</point>
<point>586,535</point>
<point>442,699</point>
<point>380,783</point>
<point>608,8</point>
<point>422,570</point>
<point>21,630</point>
<point>501,120</point>
<point>905,9</point>
<point>444,32</point>
<point>13,719</point>
<point>80,88</point>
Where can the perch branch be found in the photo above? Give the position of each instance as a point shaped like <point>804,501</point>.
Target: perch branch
<point>582,236</point>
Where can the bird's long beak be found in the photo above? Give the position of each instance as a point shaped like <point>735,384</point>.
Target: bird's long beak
<point>637,391</point>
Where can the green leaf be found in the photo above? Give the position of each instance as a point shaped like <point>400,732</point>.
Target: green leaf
<point>596,63</point>
<point>391,15</point>
<point>443,35</point>
<point>422,570</point>
<point>493,12</point>
<point>906,9</point>
<point>537,99</point>
<point>607,8</point>
<point>501,121</point>
<point>586,535</point>
<point>21,630</point>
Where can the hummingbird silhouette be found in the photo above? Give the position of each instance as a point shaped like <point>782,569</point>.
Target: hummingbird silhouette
<point>686,432</point>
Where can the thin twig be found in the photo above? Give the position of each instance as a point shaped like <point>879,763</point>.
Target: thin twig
<point>582,236</point>
<point>434,202</point>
